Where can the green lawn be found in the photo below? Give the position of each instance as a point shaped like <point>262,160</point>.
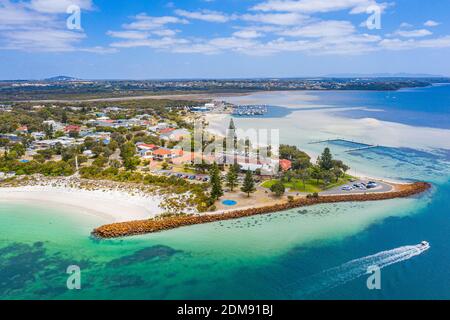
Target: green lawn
<point>311,185</point>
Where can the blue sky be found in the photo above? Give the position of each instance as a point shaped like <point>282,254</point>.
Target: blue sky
<point>154,39</point>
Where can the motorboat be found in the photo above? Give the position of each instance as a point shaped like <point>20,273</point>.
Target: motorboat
<point>424,245</point>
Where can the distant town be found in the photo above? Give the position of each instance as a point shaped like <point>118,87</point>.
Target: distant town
<point>71,88</point>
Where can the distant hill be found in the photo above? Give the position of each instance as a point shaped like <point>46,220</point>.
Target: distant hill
<point>384,75</point>
<point>60,78</point>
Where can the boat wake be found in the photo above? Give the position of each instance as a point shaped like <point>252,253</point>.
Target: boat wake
<point>354,269</point>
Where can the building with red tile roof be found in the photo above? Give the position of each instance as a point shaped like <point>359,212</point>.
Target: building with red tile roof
<point>285,164</point>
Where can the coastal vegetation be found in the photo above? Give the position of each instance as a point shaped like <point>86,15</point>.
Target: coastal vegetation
<point>307,177</point>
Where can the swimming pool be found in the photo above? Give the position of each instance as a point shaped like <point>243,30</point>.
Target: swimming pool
<point>229,202</point>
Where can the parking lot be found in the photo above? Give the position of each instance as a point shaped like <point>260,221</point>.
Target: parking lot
<point>380,188</point>
<point>186,176</point>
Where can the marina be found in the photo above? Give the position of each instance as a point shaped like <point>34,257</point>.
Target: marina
<point>250,110</point>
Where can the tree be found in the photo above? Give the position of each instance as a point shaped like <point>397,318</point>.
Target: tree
<point>292,153</point>
<point>46,153</point>
<point>131,163</point>
<point>304,174</point>
<point>101,161</point>
<point>64,117</point>
<point>215,182</point>
<point>74,134</point>
<point>232,177</point>
<point>248,186</point>
<point>287,176</point>
<point>27,140</point>
<point>278,188</point>
<point>337,172</point>
<point>316,173</point>
<point>48,131</point>
<point>4,143</point>
<point>328,176</point>
<point>165,165</point>
<point>115,163</point>
<point>326,160</point>
<point>301,163</point>
<point>128,150</point>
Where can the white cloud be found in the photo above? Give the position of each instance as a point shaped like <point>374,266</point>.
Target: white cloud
<point>330,28</point>
<point>398,44</point>
<point>42,40</point>
<point>129,34</point>
<point>274,26</point>
<point>59,6</point>
<point>406,25</point>
<point>145,22</point>
<point>204,15</point>
<point>431,23</point>
<point>247,34</point>
<point>282,19</point>
<point>161,43</point>
<point>40,25</point>
<point>315,6</point>
<point>413,33</point>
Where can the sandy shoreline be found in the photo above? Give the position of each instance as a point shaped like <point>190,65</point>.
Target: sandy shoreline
<point>109,205</point>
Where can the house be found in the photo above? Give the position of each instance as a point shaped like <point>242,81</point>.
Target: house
<point>45,144</point>
<point>105,123</point>
<point>166,131</point>
<point>265,169</point>
<point>84,132</point>
<point>174,135</point>
<point>22,130</point>
<point>88,153</point>
<point>162,154</point>
<point>38,135</point>
<point>285,165</point>
<point>146,149</point>
<point>72,128</point>
<point>160,126</point>
<point>57,126</point>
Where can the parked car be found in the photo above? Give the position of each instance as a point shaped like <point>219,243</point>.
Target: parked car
<point>347,188</point>
<point>371,185</point>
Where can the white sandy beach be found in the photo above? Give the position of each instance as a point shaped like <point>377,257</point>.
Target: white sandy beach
<point>109,205</point>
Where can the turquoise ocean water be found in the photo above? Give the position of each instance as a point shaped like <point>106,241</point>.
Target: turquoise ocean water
<point>297,254</point>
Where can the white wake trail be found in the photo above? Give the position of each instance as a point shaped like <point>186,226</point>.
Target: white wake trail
<point>354,269</point>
